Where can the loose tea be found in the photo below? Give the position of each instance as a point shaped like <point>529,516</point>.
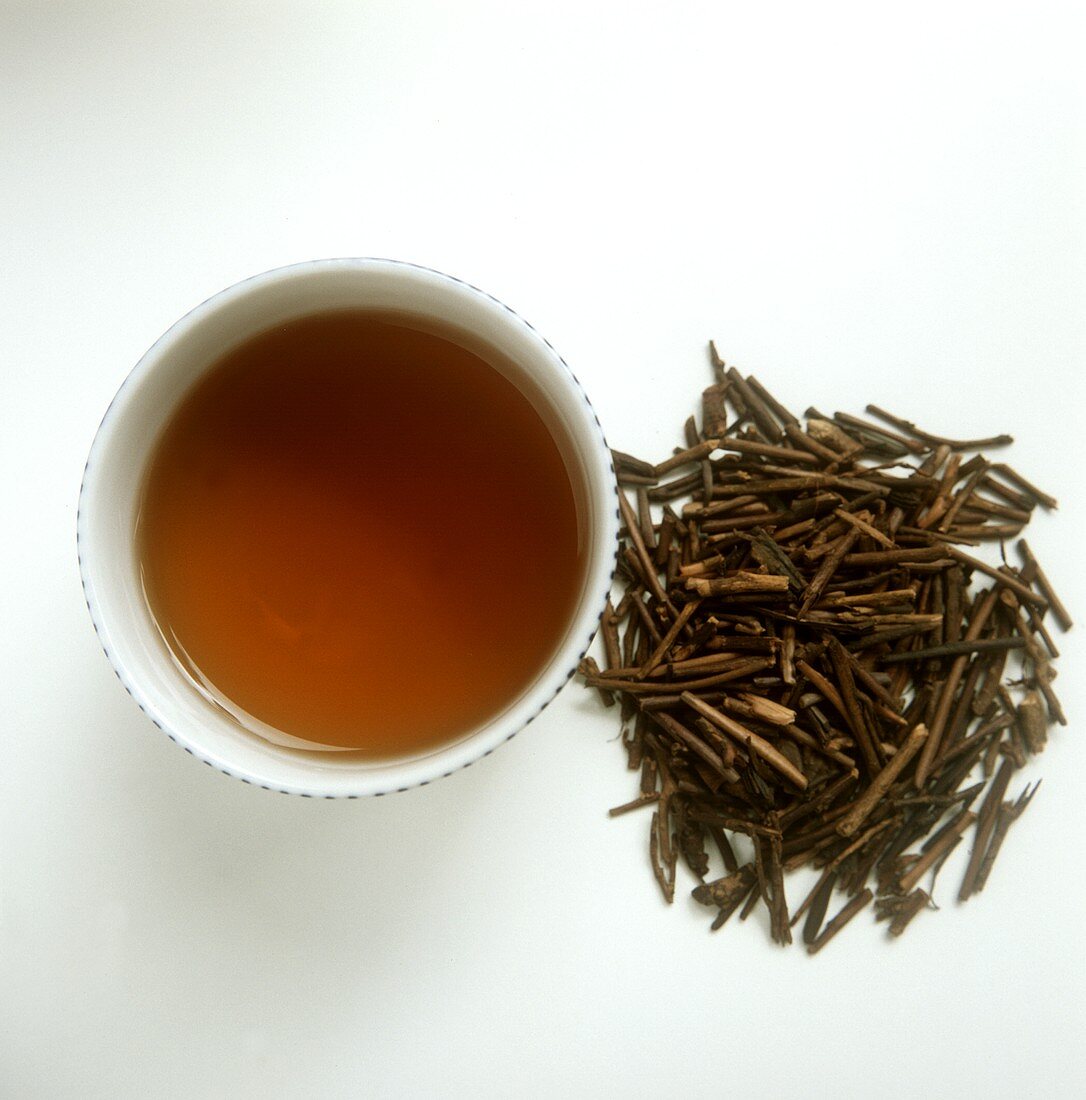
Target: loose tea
<point>335,522</point>
<point>808,665</point>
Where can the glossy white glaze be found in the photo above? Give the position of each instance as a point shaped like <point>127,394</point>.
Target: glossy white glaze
<point>109,502</point>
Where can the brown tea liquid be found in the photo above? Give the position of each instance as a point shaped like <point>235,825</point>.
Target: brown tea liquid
<point>360,534</point>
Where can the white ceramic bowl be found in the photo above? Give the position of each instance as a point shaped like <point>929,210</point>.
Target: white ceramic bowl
<point>109,500</point>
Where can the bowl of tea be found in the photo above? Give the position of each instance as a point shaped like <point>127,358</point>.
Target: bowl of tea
<point>346,527</point>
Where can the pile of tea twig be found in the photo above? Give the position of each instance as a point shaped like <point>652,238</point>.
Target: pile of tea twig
<point>802,658</point>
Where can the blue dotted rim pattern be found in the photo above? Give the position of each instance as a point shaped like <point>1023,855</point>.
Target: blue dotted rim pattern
<point>601,600</point>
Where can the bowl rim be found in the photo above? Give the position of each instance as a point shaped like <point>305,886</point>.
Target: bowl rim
<point>360,779</point>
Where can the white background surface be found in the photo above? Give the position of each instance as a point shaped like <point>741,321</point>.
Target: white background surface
<point>858,202</point>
